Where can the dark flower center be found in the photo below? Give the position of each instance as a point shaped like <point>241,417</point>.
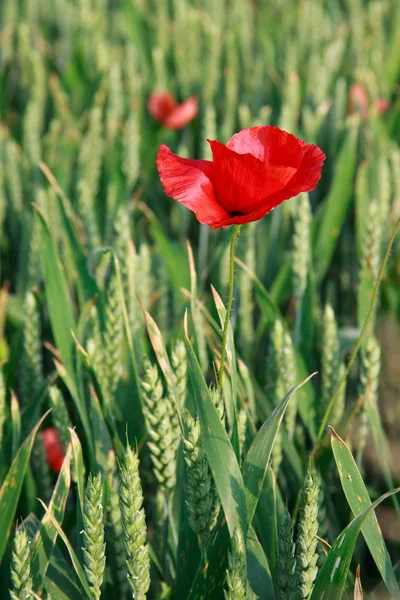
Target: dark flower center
<point>237,213</point>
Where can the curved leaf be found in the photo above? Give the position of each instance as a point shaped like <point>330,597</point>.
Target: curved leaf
<point>256,462</point>
<point>332,577</point>
<point>358,498</point>
<point>12,485</point>
<point>220,454</point>
<point>46,535</point>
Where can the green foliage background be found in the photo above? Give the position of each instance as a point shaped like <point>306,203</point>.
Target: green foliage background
<point>85,228</point>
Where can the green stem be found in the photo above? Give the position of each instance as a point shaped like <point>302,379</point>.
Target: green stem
<point>230,299</point>
<point>360,339</point>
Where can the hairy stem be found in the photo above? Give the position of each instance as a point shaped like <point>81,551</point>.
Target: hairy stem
<point>230,299</point>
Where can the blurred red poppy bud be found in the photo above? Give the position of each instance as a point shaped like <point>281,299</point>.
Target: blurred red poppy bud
<point>381,105</point>
<point>52,448</point>
<point>163,107</point>
<point>258,169</point>
<point>358,100</point>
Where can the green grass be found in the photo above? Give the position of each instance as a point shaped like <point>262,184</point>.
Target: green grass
<point>86,230</point>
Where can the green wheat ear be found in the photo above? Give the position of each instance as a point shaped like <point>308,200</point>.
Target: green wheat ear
<point>21,567</point>
<point>94,547</point>
<point>332,366</point>
<point>368,389</point>
<point>113,338</point>
<point>31,361</point>
<point>282,373</point>
<point>306,541</point>
<point>126,253</point>
<point>133,519</point>
<point>202,497</point>
<point>286,559</point>
<point>163,434</point>
<point>179,364</point>
<point>115,532</point>
<point>236,579</point>
<point>301,247</point>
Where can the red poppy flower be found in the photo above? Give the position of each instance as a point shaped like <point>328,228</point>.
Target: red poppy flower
<point>52,448</point>
<point>164,108</point>
<point>381,105</point>
<point>358,100</point>
<point>258,169</point>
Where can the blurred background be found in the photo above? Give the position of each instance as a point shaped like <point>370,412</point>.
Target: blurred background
<point>86,89</point>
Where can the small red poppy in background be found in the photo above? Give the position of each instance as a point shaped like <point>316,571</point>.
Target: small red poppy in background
<point>359,102</point>
<point>381,105</point>
<point>52,448</point>
<point>258,169</point>
<point>163,107</point>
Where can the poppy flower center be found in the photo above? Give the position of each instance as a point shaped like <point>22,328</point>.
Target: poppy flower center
<point>237,213</point>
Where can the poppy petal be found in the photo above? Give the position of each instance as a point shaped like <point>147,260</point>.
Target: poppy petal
<point>52,448</point>
<point>304,180</point>
<point>268,144</point>
<point>160,105</point>
<point>247,141</point>
<point>242,181</point>
<point>309,172</point>
<point>188,182</point>
<point>182,114</point>
<point>281,148</point>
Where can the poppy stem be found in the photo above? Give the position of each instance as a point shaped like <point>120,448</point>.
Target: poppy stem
<point>230,299</point>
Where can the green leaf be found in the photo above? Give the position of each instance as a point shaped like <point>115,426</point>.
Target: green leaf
<point>269,309</point>
<point>258,571</point>
<point>57,294</point>
<point>62,318</point>
<point>210,574</point>
<point>221,456</point>
<point>256,462</point>
<point>230,344</point>
<point>380,591</point>
<point>282,282</point>
<point>137,401</point>
<point>358,498</point>
<point>197,319</point>
<point>12,485</point>
<point>381,443</point>
<point>101,433</point>
<point>80,406</point>
<point>59,577</point>
<point>231,359</point>
<point>332,577</point>
<point>75,562</point>
<point>62,590</point>
<point>86,285</point>
<point>329,225</point>
<point>266,520</point>
<point>78,466</point>
<point>188,554</point>
<point>45,539</point>
<point>308,320</point>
